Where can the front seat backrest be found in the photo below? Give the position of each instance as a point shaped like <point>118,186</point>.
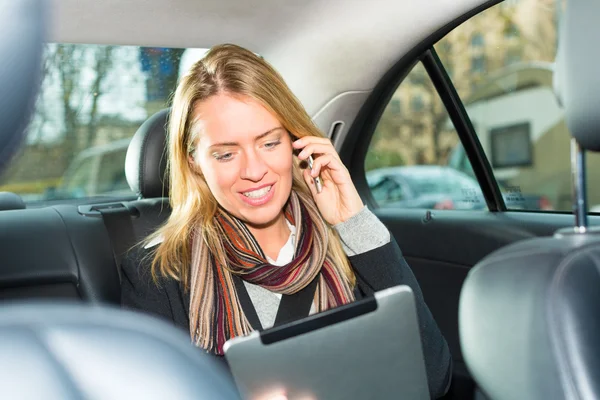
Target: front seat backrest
<point>53,351</point>
<point>22,29</point>
<point>529,319</point>
<point>529,313</point>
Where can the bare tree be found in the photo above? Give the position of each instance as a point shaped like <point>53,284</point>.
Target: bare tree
<point>69,63</point>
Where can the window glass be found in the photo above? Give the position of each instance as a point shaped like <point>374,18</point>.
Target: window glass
<point>510,100</point>
<point>111,175</point>
<point>408,160</point>
<point>79,180</point>
<point>92,101</point>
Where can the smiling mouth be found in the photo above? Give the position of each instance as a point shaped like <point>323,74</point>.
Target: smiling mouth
<point>257,194</point>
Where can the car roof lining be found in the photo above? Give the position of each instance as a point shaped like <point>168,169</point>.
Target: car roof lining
<point>322,48</point>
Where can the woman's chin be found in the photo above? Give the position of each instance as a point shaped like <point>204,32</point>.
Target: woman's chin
<point>263,218</point>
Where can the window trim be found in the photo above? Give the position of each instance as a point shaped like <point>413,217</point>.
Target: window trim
<point>465,130</point>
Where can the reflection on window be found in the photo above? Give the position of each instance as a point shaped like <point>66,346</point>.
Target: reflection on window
<point>93,99</point>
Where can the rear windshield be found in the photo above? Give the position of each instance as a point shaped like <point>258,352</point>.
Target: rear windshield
<point>92,101</point>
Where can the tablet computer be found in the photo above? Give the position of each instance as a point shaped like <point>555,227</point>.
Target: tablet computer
<point>369,349</point>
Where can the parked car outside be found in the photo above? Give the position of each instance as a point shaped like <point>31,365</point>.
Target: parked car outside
<point>96,171</point>
<point>439,187</point>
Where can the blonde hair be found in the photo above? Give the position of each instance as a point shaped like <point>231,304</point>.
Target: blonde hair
<point>231,69</point>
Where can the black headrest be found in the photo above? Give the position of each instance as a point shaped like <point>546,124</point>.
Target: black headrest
<point>577,80</point>
<point>11,201</point>
<point>146,159</point>
<point>530,320</point>
<point>22,32</point>
<point>60,351</point>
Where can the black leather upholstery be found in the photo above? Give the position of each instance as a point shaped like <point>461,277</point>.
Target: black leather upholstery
<point>56,253</point>
<point>11,201</point>
<point>75,352</point>
<point>145,162</point>
<point>530,320</point>
<point>23,29</point>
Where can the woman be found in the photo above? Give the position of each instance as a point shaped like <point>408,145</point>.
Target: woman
<point>250,237</point>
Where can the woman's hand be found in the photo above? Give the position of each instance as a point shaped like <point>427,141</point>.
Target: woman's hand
<point>339,199</point>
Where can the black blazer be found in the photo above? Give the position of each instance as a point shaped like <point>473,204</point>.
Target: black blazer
<point>376,270</point>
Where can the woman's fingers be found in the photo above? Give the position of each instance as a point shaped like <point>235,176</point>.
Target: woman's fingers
<point>317,148</point>
<point>313,144</point>
<point>333,165</point>
<point>298,144</point>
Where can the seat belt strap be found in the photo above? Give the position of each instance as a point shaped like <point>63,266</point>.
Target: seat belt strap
<point>117,220</point>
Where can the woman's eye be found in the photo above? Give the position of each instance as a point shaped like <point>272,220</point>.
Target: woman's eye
<point>270,145</point>
<point>223,156</point>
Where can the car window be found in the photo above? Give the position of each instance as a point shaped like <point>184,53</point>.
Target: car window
<point>79,181</point>
<point>502,66</point>
<point>414,141</point>
<point>93,99</point>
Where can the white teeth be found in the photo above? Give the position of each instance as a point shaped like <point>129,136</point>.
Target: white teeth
<point>255,194</point>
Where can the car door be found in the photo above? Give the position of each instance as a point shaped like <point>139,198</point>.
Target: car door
<point>483,87</point>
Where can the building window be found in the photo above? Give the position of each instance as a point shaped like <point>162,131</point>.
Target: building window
<point>477,40</point>
<point>417,104</point>
<point>511,31</point>
<point>478,64</point>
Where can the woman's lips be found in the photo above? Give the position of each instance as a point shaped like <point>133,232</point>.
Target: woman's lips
<point>258,197</point>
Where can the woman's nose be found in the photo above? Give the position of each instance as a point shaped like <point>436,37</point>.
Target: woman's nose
<point>255,167</point>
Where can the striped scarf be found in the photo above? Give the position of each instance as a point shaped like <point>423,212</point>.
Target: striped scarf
<point>215,311</point>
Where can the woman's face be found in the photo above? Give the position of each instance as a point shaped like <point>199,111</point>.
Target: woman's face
<point>245,156</point>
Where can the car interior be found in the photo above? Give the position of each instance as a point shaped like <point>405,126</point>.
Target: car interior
<point>513,291</point>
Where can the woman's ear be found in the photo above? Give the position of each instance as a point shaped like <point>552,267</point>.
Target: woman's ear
<point>193,165</point>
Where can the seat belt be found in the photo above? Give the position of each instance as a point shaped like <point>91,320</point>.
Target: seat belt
<point>296,306</point>
<point>117,220</point>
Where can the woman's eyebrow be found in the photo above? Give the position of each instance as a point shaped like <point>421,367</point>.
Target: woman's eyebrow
<point>262,135</point>
<point>267,133</point>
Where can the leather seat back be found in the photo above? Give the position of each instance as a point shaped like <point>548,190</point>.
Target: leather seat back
<point>23,29</point>
<point>529,316</point>
<point>530,320</point>
<point>59,351</point>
